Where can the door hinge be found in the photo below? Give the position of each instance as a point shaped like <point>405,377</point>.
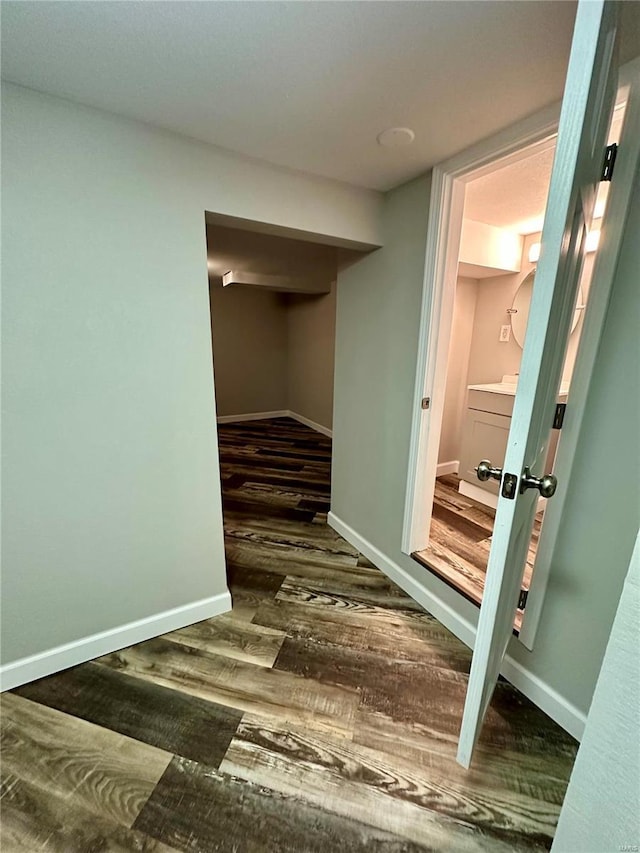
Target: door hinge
<point>425,402</point>
<point>522,599</point>
<point>610,154</point>
<point>558,418</point>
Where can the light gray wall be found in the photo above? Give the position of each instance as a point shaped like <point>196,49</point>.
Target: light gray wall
<point>455,396</point>
<point>602,804</point>
<point>490,358</point>
<point>377,325</point>
<point>376,352</point>
<point>250,352</point>
<point>311,323</point>
<point>273,351</point>
<point>111,496</point>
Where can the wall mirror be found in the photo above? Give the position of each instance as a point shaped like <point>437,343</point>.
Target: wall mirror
<point>519,312</point>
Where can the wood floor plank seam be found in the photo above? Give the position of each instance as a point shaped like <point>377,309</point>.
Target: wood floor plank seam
<point>257,745</point>
<point>107,774</point>
<point>320,715</point>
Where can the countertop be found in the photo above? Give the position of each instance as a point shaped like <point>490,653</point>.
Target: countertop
<point>510,388</point>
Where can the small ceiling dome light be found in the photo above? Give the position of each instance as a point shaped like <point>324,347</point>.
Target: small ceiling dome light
<point>396,137</point>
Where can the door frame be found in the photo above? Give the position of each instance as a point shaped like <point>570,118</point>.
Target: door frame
<point>436,315</point>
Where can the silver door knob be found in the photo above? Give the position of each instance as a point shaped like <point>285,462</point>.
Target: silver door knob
<point>546,485</point>
<point>485,471</point>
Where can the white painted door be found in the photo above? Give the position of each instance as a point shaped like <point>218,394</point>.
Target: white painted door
<point>586,110</point>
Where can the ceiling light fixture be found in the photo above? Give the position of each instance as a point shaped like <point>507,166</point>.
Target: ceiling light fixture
<point>593,238</point>
<point>534,253</point>
<point>396,137</point>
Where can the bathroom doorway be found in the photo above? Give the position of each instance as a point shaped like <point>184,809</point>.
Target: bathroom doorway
<point>499,248</point>
<point>487,272</point>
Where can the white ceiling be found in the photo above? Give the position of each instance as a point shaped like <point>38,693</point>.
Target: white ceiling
<point>515,196</point>
<point>306,85</point>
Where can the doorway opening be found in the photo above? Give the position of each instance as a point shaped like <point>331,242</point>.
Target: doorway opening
<point>273,305</point>
<point>487,258</point>
<point>273,308</point>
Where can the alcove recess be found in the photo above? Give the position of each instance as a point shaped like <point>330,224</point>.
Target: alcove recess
<point>254,256</point>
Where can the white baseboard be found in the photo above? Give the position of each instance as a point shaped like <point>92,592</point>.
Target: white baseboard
<point>282,413</point>
<point>252,416</point>
<point>552,703</point>
<point>70,654</point>
<point>565,713</point>
<point>307,422</point>
<point>470,490</point>
<point>451,467</point>
<point>463,629</point>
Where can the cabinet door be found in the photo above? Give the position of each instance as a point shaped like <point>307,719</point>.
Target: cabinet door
<point>485,437</point>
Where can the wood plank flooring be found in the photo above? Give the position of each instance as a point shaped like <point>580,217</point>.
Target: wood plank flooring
<point>321,714</point>
<point>460,541</point>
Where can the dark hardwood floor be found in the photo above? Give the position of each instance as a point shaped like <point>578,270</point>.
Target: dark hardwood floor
<point>321,714</point>
<point>460,541</point>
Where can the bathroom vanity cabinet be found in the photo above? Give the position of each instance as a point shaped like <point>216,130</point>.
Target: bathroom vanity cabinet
<point>485,434</point>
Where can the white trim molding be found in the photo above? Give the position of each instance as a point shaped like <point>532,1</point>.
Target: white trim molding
<point>470,490</point>
<point>451,467</point>
<point>552,703</point>
<point>312,424</point>
<point>252,416</point>
<point>87,648</point>
<point>457,624</point>
<point>282,413</point>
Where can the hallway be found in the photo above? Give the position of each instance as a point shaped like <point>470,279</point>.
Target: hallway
<point>321,714</point>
